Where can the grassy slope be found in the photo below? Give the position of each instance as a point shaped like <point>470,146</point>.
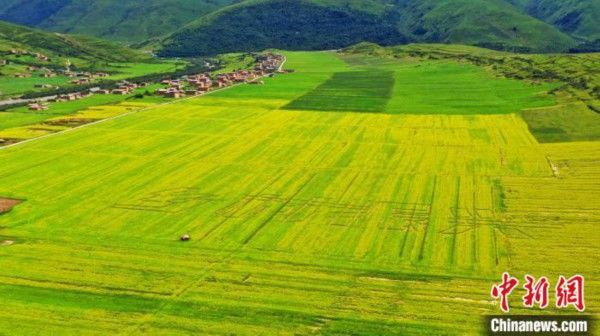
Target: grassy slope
<point>259,24</point>
<point>125,20</point>
<point>301,222</point>
<point>480,22</point>
<point>82,52</point>
<point>20,37</point>
<point>490,23</point>
<point>577,17</point>
<point>327,24</point>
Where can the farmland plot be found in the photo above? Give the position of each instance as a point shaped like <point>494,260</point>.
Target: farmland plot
<point>361,91</point>
<point>313,221</point>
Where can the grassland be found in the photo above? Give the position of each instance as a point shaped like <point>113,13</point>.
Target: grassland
<point>303,222</point>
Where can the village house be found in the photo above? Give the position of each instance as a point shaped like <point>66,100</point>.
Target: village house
<point>160,92</point>
<point>37,107</point>
<point>80,81</point>
<point>70,96</point>
<point>192,92</point>
<point>220,84</point>
<point>48,74</point>
<point>127,85</point>
<point>22,75</point>
<point>41,57</point>
<point>174,94</point>
<point>120,91</point>
<point>203,85</point>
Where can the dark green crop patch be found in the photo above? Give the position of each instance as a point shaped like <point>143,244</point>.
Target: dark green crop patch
<point>355,91</point>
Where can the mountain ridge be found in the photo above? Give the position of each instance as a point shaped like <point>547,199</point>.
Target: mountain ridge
<point>205,27</point>
<point>248,26</point>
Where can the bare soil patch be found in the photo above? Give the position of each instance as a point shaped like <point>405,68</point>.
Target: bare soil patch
<point>9,141</point>
<point>6,204</point>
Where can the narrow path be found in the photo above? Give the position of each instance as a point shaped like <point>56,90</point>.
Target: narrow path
<point>29,100</point>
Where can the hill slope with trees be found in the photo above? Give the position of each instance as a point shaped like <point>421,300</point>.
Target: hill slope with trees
<point>327,24</point>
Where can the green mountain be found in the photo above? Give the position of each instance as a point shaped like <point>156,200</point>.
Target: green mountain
<point>63,45</point>
<point>326,24</point>
<point>285,24</point>
<point>486,23</point>
<point>201,27</point>
<point>122,20</point>
<point>579,18</point>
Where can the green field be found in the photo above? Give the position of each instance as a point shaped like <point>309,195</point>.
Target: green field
<point>421,88</point>
<point>21,123</point>
<point>360,91</point>
<point>320,221</point>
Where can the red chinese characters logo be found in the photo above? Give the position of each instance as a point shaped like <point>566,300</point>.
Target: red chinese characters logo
<point>503,290</point>
<point>536,292</point>
<point>568,292</point>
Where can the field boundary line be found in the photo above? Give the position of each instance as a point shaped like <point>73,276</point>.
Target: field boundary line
<point>129,113</point>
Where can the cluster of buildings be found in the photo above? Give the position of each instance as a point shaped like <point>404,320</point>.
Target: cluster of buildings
<point>122,88</point>
<point>201,83</point>
<point>187,85</point>
<point>37,55</point>
<point>77,77</point>
<point>198,84</point>
<point>126,88</point>
<point>84,77</point>
<point>268,63</point>
<point>70,97</point>
<point>190,85</point>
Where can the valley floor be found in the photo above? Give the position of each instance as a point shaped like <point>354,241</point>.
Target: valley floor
<point>310,211</point>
